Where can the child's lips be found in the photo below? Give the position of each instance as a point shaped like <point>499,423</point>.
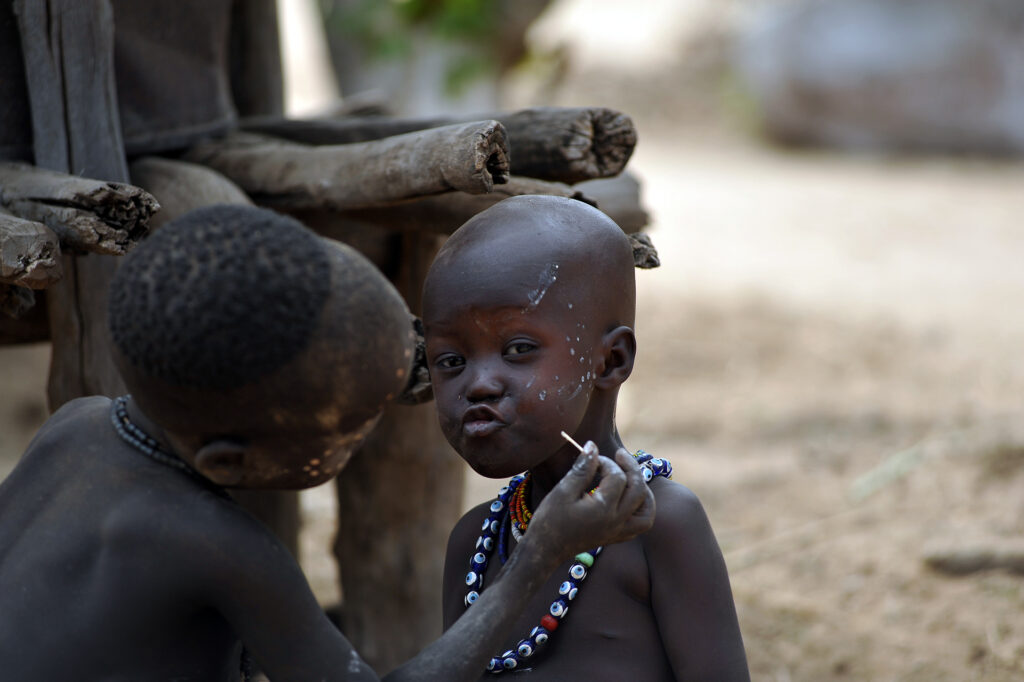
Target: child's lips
<point>481,421</point>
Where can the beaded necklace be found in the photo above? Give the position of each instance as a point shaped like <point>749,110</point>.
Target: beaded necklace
<point>511,504</point>
<point>131,433</point>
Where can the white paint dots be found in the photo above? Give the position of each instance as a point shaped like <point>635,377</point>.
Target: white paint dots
<point>570,306</point>
<point>572,351</point>
<point>542,395</point>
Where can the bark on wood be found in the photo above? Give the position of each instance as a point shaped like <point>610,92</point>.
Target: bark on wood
<point>29,253</point>
<point>68,47</point>
<point>469,157</point>
<point>88,215</point>
<point>398,499</point>
<point>180,187</point>
<point>561,144</point>
<point>440,214</point>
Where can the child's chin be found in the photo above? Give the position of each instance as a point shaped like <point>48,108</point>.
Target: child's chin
<point>492,470</point>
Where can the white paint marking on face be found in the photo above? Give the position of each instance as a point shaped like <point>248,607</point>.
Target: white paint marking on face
<point>530,382</point>
<point>572,351</point>
<point>542,395</point>
<point>570,306</point>
<point>547,277</point>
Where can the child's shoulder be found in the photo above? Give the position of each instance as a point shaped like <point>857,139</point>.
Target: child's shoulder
<point>679,519</point>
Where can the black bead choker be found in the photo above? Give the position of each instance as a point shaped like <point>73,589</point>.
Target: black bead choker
<point>132,434</point>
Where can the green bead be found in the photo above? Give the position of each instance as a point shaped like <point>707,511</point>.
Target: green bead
<point>585,558</point>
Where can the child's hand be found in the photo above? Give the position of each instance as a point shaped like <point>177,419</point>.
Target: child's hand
<point>571,519</point>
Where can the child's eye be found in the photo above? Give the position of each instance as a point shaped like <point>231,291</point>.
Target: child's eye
<point>520,348</point>
<point>450,361</point>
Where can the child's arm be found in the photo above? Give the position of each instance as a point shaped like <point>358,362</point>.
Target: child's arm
<point>261,591</point>
<point>690,591</point>
<point>567,522</point>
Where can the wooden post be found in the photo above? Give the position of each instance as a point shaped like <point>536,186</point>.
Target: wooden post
<point>68,46</point>
<point>398,499</point>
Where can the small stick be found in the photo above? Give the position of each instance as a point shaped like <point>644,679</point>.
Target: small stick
<point>569,438</point>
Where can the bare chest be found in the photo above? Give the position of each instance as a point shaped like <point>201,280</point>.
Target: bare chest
<point>608,630</point>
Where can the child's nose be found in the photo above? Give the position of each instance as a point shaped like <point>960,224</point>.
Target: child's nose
<point>485,384</point>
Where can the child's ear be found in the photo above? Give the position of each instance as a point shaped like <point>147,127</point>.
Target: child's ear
<point>222,461</point>
<point>615,362</point>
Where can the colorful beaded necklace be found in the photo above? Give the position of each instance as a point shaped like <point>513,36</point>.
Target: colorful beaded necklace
<point>511,504</point>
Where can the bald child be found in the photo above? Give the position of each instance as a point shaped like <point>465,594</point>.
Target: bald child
<point>529,314</point>
<point>258,355</point>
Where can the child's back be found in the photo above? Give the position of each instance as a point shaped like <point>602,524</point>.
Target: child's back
<point>104,549</point>
<point>528,312</point>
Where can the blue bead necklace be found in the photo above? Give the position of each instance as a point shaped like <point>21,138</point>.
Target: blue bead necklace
<point>493,535</point>
<point>132,433</point>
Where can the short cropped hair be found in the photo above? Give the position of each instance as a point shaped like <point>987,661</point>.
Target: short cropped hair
<point>219,297</point>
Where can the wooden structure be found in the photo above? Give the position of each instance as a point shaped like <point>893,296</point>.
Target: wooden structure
<point>391,188</point>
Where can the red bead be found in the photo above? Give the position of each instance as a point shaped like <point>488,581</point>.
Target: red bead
<point>549,622</point>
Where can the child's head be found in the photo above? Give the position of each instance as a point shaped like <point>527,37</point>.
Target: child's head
<point>528,311</point>
<point>264,351</point>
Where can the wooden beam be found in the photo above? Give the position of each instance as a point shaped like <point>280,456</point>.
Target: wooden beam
<point>562,144</point>
<point>180,187</point>
<point>88,215</point>
<point>29,253</point>
<point>440,214</point>
<point>470,157</point>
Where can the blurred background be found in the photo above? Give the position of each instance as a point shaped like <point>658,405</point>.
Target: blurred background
<point>828,354</point>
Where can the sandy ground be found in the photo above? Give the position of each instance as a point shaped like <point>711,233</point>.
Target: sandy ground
<point>830,358</point>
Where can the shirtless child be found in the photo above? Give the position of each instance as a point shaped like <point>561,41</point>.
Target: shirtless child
<point>528,311</point>
<point>258,356</point>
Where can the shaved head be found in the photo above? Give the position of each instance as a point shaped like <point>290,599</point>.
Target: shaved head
<point>527,248</point>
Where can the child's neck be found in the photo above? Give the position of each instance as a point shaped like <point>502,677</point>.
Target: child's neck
<point>548,473</point>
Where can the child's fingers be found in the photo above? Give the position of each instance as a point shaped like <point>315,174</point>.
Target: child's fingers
<point>579,478</point>
<point>637,493</point>
<point>611,483</point>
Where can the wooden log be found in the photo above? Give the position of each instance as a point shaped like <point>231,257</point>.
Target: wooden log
<point>88,215</point>
<point>469,157</point>
<point>619,197</point>
<point>570,145</point>
<point>29,253</point>
<point>440,214</point>
<point>562,144</point>
<point>180,187</point>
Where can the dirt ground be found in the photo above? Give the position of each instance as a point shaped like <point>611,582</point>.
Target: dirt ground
<point>830,357</point>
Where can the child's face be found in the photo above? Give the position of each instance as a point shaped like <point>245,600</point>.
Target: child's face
<point>509,372</point>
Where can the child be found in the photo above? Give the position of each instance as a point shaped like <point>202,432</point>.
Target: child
<point>528,311</point>
<point>258,356</point>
